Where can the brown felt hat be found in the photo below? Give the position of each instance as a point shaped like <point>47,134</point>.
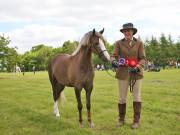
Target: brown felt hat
<point>128,26</point>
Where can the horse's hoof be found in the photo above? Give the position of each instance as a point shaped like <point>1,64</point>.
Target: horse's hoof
<point>91,125</point>
<point>57,115</point>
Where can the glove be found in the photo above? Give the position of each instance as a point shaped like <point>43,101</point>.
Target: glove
<point>134,70</point>
<point>115,64</point>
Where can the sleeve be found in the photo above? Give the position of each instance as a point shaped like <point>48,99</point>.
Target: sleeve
<point>116,51</point>
<point>141,56</point>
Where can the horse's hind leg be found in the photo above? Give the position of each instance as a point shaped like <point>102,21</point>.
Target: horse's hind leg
<point>88,105</point>
<point>78,97</point>
<point>57,89</point>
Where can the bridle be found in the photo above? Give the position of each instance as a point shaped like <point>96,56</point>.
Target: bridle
<point>99,53</point>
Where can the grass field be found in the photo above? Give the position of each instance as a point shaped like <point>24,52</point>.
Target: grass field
<point>26,106</point>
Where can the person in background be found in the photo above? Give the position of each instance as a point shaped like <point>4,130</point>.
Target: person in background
<point>23,69</point>
<point>127,48</point>
<point>34,69</point>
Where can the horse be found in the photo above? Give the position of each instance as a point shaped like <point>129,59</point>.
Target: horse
<point>76,70</point>
<point>17,70</point>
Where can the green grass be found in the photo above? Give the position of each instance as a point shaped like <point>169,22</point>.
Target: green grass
<point>26,106</point>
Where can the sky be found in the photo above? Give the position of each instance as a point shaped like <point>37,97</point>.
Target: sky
<point>52,22</point>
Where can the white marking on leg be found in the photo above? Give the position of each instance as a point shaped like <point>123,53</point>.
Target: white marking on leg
<point>56,110</point>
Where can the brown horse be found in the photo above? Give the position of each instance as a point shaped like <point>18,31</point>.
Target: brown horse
<point>77,71</point>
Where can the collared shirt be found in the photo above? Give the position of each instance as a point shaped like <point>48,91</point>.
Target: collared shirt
<point>130,42</point>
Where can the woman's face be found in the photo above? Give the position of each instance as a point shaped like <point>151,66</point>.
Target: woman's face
<point>128,33</point>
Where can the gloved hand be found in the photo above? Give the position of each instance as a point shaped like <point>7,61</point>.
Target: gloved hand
<point>134,70</point>
<point>115,64</point>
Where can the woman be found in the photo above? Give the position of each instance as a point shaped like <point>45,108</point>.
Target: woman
<point>129,48</point>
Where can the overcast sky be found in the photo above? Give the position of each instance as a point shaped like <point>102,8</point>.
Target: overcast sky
<point>51,22</point>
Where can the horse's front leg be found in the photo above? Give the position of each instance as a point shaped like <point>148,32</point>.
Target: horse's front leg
<point>88,105</point>
<point>78,97</point>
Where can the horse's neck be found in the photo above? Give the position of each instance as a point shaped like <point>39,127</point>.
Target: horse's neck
<point>84,57</point>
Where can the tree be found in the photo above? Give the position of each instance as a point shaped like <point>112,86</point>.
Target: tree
<point>163,51</point>
<point>152,49</point>
<point>69,47</point>
<point>38,57</point>
<point>8,56</point>
<point>177,51</point>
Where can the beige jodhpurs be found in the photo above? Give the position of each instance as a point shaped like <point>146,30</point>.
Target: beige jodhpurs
<point>123,90</point>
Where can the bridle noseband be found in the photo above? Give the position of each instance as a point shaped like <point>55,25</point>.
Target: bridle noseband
<point>99,53</point>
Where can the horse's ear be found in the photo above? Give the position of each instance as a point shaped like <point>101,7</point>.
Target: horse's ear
<point>94,32</point>
<point>101,31</point>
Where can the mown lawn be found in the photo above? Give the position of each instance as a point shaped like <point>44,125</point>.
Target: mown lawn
<point>26,106</point>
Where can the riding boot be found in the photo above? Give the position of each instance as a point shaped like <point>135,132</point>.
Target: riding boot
<point>137,113</point>
<point>122,112</point>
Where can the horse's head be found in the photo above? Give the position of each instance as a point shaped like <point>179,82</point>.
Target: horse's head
<point>98,45</point>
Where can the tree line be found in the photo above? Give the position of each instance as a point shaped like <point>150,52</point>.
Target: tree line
<point>162,52</point>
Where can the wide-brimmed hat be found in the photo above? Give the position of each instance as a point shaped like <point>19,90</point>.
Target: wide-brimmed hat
<point>128,26</point>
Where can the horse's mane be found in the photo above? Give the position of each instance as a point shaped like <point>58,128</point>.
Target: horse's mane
<point>84,41</point>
